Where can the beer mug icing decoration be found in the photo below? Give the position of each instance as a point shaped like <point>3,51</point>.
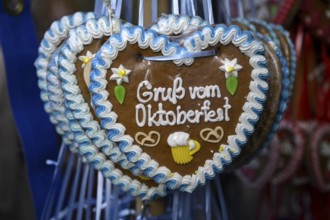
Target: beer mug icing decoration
<point>182,147</point>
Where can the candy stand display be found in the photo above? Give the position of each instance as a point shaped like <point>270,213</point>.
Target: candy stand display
<point>183,109</point>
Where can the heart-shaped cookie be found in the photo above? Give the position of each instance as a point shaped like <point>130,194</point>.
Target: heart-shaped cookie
<point>91,138</point>
<point>319,156</point>
<point>78,144</point>
<point>292,145</point>
<point>259,171</point>
<point>52,39</point>
<point>179,101</point>
<point>277,98</point>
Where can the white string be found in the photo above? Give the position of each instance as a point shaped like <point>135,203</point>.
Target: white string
<point>118,8</point>
<point>183,7</point>
<point>141,12</point>
<point>99,195</point>
<point>191,7</point>
<point>175,7</point>
<point>108,198</point>
<point>227,8</point>
<point>208,11</point>
<point>154,10</point>
<point>240,9</point>
<point>113,4</point>
<point>99,8</point>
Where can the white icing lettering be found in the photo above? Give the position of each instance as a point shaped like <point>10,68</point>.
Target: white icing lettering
<point>161,93</point>
<point>139,122</point>
<point>147,115</point>
<point>200,92</point>
<point>227,106</point>
<point>147,96</point>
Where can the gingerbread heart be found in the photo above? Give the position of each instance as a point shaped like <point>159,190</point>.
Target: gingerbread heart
<point>292,145</point>
<point>179,99</point>
<point>259,171</point>
<point>277,99</point>
<point>75,136</point>
<point>319,156</point>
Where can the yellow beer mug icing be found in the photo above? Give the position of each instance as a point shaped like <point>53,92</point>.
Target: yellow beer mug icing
<point>182,147</point>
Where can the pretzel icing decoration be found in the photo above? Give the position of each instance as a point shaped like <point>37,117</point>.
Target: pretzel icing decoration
<point>150,140</point>
<point>212,135</point>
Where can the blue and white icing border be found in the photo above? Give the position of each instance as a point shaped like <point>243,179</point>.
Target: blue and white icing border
<point>293,58</point>
<point>87,132</point>
<point>205,36</point>
<point>176,24</point>
<point>285,91</point>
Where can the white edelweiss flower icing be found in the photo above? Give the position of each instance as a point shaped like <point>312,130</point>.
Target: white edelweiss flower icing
<point>230,67</point>
<point>178,139</point>
<point>120,74</point>
<point>85,59</point>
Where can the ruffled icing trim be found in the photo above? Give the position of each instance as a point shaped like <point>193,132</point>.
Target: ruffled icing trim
<point>57,32</point>
<point>293,58</point>
<point>148,38</point>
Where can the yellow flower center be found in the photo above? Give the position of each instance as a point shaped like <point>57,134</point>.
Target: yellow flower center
<point>86,60</point>
<point>222,148</point>
<point>230,69</point>
<point>122,73</point>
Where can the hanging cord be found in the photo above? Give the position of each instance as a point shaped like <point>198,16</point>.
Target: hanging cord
<point>225,6</point>
<point>99,195</point>
<point>74,189</point>
<point>228,10</point>
<point>191,9</point>
<point>253,9</point>
<point>175,205</point>
<point>240,10</point>
<point>208,11</point>
<point>64,186</point>
<point>183,7</point>
<point>99,8</point>
<point>82,192</point>
<point>154,10</point>
<point>141,13</point>
<point>221,197</point>
<point>144,212</point>
<point>90,190</point>
<point>175,7</point>
<point>108,199</point>
<point>208,201</point>
<point>111,9</point>
<point>118,8</point>
<point>55,181</point>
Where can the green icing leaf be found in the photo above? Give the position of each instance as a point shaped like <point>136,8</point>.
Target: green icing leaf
<point>231,84</point>
<point>120,93</point>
